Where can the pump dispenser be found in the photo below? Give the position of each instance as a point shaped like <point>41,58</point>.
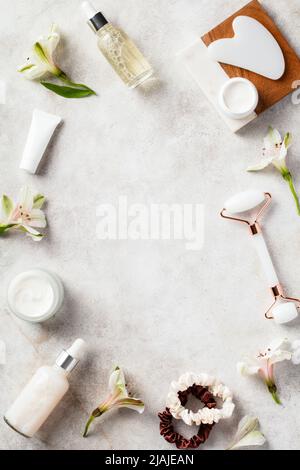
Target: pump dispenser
<point>118,49</point>
<point>43,393</point>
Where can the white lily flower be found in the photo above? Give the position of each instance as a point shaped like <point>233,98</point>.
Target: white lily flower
<point>263,365</point>
<point>41,61</point>
<point>25,216</point>
<point>274,152</point>
<point>118,398</point>
<point>248,434</point>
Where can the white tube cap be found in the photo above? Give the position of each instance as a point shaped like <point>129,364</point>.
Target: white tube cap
<point>77,349</point>
<point>41,130</point>
<point>285,313</point>
<point>88,10</point>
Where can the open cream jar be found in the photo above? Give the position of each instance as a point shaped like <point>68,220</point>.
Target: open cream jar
<point>35,295</point>
<point>238,98</point>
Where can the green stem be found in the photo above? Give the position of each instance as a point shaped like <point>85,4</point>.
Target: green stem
<point>273,390</point>
<point>4,228</point>
<point>288,177</point>
<point>87,426</point>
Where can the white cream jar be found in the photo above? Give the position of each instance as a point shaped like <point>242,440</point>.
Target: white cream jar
<point>35,295</point>
<point>238,98</point>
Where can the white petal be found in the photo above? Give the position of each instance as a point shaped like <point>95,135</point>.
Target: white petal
<point>274,137</point>
<point>247,433</point>
<point>283,153</point>
<point>262,165</point>
<point>296,345</point>
<point>31,232</point>
<point>254,438</point>
<point>51,41</point>
<point>247,369</point>
<point>296,357</point>
<point>26,198</point>
<point>278,343</point>
<point>38,218</point>
<point>33,71</point>
<point>280,356</point>
<point>117,382</point>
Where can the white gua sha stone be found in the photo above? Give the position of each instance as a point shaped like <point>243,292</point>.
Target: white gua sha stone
<point>284,309</point>
<point>252,48</point>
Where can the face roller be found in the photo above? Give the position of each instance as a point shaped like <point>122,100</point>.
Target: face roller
<point>283,309</point>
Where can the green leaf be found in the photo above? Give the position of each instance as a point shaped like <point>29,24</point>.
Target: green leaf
<point>38,201</point>
<point>7,205</point>
<point>68,91</point>
<point>4,228</point>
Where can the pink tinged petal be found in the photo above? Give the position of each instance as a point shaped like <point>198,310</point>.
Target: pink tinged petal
<point>264,374</point>
<point>262,165</point>
<point>37,219</point>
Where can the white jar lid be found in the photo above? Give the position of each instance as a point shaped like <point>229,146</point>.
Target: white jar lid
<point>35,295</point>
<point>238,98</point>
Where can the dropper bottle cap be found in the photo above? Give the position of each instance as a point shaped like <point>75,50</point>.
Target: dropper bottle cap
<point>95,19</point>
<point>69,358</point>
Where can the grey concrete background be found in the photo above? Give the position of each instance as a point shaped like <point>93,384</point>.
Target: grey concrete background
<point>153,307</point>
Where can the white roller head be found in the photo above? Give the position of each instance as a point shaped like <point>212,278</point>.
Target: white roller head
<point>285,313</point>
<point>244,201</point>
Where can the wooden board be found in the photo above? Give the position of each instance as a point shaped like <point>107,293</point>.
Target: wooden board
<point>270,91</point>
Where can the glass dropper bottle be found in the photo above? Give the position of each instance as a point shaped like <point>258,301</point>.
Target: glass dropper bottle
<point>118,49</point>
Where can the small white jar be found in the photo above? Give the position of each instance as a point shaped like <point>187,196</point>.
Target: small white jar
<point>238,98</point>
<point>35,295</point>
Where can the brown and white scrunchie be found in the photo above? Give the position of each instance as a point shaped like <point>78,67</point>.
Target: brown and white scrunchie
<point>207,390</point>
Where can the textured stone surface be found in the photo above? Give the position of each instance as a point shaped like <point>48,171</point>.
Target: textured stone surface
<point>151,306</point>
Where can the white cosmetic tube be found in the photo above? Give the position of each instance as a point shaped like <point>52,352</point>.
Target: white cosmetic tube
<point>41,130</point>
